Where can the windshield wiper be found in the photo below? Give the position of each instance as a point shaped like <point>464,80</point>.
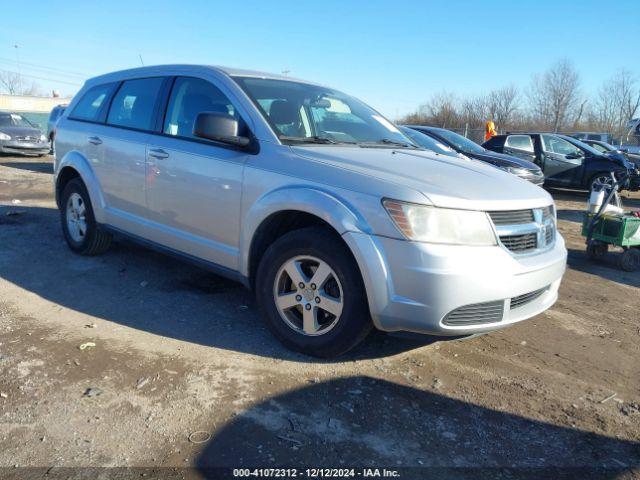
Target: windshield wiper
<point>314,139</point>
<point>387,141</point>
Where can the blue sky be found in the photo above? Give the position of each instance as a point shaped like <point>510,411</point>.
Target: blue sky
<point>391,54</point>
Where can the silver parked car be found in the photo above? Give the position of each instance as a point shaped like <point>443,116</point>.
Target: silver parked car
<point>19,135</point>
<point>335,219</point>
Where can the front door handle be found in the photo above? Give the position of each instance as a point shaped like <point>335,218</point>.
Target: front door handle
<point>158,153</point>
<point>95,140</point>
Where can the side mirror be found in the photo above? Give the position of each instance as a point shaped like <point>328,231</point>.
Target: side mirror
<point>219,127</point>
<point>574,156</point>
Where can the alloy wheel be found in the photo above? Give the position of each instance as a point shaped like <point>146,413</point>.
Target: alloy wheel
<point>76,217</point>
<point>308,295</point>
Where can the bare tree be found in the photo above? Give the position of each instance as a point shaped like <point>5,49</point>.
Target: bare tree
<point>616,103</point>
<point>554,97</point>
<point>502,104</point>
<point>441,110</point>
<point>11,82</point>
<point>14,84</point>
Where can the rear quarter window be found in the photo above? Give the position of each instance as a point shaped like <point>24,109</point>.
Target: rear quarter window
<point>91,104</point>
<point>133,106</point>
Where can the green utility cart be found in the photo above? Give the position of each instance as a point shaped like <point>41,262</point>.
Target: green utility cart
<point>622,231</point>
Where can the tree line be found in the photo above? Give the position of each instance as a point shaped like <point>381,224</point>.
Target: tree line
<point>553,101</point>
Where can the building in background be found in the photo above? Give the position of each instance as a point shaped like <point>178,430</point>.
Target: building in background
<point>33,108</point>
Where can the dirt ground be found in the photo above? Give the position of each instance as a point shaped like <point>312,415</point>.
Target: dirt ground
<point>185,375</point>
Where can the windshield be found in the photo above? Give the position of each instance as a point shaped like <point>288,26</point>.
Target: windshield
<point>581,145</point>
<point>303,113</point>
<point>430,143</point>
<point>459,142</point>
<point>14,120</point>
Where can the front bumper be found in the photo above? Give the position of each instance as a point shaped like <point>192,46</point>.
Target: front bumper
<point>413,286</point>
<point>24,148</point>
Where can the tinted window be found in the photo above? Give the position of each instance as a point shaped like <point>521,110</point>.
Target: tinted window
<point>553,144</point>
<point>134,103</point>
<point>521,142</point>
<point>88,108</point>
<point>189,97</point>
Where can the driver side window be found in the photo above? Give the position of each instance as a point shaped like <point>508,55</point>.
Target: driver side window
<point>557,145</point>
<point>189,97</point>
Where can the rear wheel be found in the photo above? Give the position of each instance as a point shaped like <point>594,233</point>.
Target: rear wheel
<point>82,233</point>
<point>630,260</point>
<point>311,293</point>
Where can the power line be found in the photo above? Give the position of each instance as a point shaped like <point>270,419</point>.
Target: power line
<point>47,79</point>
<point>43,67</point>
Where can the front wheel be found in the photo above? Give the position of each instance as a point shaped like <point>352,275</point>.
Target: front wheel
<point>601,181</point>
<point>311,293</point>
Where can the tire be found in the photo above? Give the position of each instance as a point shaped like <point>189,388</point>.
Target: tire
<point>630,260</point>
<point>597,177</point>
<point>596,250</point>
<point>335,334</point>
<point>93,240</point>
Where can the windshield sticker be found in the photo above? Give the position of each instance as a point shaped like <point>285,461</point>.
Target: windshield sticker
<point>385,123</point>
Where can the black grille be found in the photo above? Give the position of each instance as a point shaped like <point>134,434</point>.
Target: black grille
<point>520,243</point>
<point>489,312</point>
<point>512,217</point>
<point>522,300</point>
<point>27,139</point>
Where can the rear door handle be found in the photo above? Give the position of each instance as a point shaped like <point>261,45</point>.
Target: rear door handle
<point>95,140</point>
<point>158,153</point>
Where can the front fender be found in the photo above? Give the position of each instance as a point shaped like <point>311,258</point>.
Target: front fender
<point>81,165</point>
<point>337,212</point>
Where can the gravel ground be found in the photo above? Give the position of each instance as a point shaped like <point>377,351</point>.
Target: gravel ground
<point>185,377</point>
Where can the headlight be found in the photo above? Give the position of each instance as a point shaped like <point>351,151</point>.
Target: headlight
<point>516,171</point>
<point>43,138</point>
<point>4,136</point>
<point>440,225</point>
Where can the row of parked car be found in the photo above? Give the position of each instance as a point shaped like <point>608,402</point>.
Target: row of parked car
<point>541,158</point>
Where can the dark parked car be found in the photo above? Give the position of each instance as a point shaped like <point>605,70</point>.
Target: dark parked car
<point>613,152</point>
<point>430,143</point>
<point>19,135</point>
<point>522,168</point>
<point>566,162</point>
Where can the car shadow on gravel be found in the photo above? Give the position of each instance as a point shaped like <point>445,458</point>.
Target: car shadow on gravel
<point>363,422</point>
<point>606,268</point>
<point>145,290</point>
<point>38,167</point>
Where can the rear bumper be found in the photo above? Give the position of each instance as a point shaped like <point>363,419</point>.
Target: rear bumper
<point>414,286</point>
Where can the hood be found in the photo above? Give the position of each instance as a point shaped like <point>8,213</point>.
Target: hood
<point>445,181</point>
<point>619,157</point>
<point>21,131</point>
<point>503,160</point>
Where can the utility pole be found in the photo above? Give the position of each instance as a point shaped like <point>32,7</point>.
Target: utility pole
<point>286,72</point>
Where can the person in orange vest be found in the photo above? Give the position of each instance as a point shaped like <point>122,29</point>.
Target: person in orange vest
<point>490,130</point>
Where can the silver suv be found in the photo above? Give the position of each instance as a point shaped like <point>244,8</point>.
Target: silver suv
<point>318,203</point>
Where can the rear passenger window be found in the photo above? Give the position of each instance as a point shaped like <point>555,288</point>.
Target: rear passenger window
<point>134,104</point>
<point>520,142</point>
<point>89,106</point>
<point>189,97</point>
